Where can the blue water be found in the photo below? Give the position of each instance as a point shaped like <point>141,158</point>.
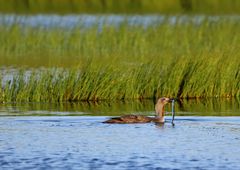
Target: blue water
<point>86,21</point>
<point>83,142</point>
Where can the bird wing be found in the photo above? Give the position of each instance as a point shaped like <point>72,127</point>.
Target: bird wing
<point>129,119</point>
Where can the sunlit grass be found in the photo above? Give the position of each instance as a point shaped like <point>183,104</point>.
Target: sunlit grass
<point>121,6</point>
<point>128,62</point>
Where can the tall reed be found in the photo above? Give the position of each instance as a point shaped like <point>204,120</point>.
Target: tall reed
<point>181,60</point>
<point>121,6</point>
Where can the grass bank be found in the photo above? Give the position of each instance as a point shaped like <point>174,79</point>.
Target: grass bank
<point>121,6</point>
<point>181,60</point>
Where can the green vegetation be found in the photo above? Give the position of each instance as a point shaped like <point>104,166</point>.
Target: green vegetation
<point>128,62</point>
<point>121,6</point>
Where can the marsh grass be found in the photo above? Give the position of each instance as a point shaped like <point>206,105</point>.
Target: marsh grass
<point>121,6</point>
<point>184,60</point>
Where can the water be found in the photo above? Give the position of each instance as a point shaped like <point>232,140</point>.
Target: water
<point>31,140</point>
<point>87,21</point>
<point>86,143</point>
<point>204,107</point>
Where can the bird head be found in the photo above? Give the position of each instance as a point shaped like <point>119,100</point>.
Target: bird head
<point>164,100</point>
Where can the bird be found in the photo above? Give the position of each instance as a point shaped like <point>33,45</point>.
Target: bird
<point>158,118</point>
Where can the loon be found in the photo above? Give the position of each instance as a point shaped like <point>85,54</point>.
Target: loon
<point>159,117</point>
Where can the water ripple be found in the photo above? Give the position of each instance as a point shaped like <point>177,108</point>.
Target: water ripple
<point>85,143</point>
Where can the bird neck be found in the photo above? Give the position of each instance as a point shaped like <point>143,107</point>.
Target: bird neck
<point>160,112</point>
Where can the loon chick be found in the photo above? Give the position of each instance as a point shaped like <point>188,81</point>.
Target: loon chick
<point>159,117</point>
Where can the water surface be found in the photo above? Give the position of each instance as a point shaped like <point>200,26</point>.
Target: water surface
<point>86,143</point>
<point>72,136</point>
<point>87,21</point>
<point>192,107</point>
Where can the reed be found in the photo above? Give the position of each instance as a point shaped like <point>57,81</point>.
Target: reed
<point>121,6</point>
<point>127,62</point>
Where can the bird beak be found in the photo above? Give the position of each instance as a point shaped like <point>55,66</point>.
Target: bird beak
<point>170,100</point>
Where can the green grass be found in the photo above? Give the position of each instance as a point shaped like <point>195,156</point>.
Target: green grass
<point>121,6</point>
<point>184,60</point>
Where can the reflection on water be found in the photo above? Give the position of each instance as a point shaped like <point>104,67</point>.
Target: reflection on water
<point>203,107</point>
<point>85,143</point>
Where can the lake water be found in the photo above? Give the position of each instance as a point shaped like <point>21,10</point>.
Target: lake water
<point>73,21</point>
<point>72,136</point>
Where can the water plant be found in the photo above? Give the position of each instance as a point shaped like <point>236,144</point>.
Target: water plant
<point>117,6</point>
<point>183,60</point>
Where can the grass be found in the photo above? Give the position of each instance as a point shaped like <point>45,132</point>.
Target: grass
<point>128,62</point>
<point>121,6</point>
